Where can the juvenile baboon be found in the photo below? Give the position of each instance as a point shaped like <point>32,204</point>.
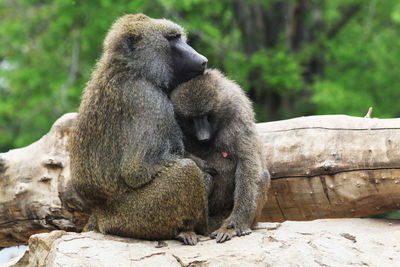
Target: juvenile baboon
<point>218,126</point>
<point>126,148</point>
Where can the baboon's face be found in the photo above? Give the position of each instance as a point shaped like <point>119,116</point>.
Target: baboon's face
<point>197,103</point>
<point>156,49</point>
<point>203,127</point>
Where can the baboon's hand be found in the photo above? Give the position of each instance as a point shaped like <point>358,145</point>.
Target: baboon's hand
<point>199,162</point>
<point>223,234</point>
<point>239,229</point>
<point>207,168</point>
<point>188,238</point>
<point>202,164</point>
<point>210,171</point>
<point>230,229</point>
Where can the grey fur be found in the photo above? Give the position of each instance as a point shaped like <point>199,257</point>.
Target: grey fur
<point>242,181</point>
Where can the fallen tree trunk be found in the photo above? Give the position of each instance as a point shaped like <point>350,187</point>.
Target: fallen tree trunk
<point>321,167</point>
<point>36,194</point>
<point>331,167</point>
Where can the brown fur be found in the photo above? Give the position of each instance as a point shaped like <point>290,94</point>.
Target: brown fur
<point>126,148</point>
<point>242,181</point>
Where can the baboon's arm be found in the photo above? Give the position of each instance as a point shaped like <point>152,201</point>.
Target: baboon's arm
<point>150,143</point>
<point>247,176</point>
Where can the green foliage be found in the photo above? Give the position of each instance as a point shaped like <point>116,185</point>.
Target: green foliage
<point>362,66</point>
<point>279,70</point>
<point>51,48</point>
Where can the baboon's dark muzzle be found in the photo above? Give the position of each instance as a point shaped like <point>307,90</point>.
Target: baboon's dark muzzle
<point>202,128</point>
<point>187,62</point>
<point>191,60</point>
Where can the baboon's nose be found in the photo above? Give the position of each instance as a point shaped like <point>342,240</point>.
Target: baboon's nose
<point>204,64</point>
<point>200,62</point>
<point>203,138</point>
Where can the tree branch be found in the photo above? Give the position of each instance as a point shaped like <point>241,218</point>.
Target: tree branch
<point>348,14</point>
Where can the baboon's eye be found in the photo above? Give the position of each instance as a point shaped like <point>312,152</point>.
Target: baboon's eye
<point>171,37</point>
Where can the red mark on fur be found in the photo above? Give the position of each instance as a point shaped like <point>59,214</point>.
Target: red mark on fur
<point>224,154</point>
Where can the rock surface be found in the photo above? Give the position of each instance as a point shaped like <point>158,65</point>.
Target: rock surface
<point>329,242</point>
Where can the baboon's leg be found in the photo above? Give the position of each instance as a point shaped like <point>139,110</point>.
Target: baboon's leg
<point>174,202</point>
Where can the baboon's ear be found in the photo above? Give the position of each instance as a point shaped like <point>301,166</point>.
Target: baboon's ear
<point>129,43</point>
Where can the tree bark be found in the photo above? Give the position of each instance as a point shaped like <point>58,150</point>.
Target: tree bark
<point>321,167</point>
<point>36,194</point>
<point>331,167</point>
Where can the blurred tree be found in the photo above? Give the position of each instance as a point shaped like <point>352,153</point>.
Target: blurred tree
<point>362,61</point>
<point>50,48</point>
<point>293,57</point>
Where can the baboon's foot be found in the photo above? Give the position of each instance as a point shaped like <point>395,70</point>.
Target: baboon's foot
<point>188,238</point>
<point>91,225</point>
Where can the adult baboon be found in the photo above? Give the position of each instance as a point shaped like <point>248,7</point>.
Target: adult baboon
<point>126,148</point>
<point>217,120</point>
